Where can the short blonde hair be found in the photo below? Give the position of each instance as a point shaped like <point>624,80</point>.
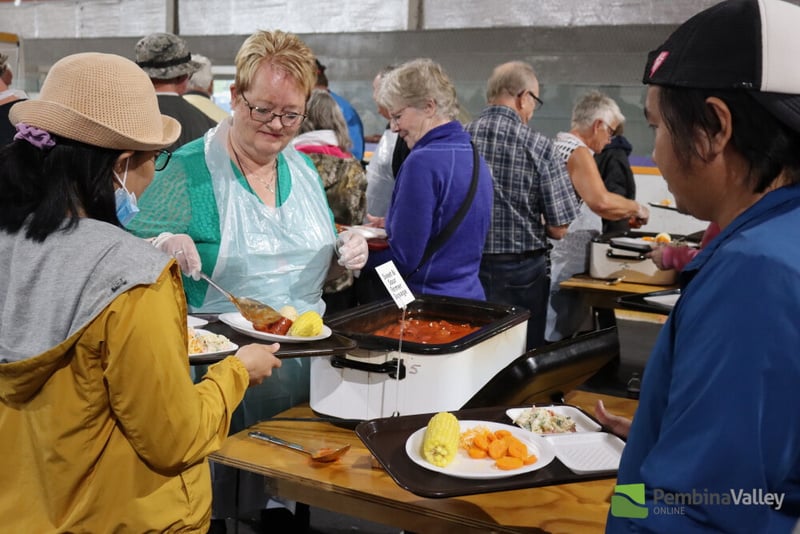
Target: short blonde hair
<point>595,105</point>
<point>323,113</point>
<point>282,49</point>
<point>417,82</point>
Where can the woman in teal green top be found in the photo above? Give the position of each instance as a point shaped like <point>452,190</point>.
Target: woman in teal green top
<point>251,211</point>
<point>255,210</point>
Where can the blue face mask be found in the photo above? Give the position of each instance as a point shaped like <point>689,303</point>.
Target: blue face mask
<point>125,200</point>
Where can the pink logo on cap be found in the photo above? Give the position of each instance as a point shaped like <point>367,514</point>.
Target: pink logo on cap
<point>658,62</point>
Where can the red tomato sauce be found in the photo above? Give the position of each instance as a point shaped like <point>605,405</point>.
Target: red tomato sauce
<point>426,331</point>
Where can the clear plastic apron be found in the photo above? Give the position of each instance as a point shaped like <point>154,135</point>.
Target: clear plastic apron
<point>277,255</point>
<point>567,310</point>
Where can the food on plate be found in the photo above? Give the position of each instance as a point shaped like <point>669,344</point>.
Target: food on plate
<point>282,325</point>
<point>663,237</point>
<point>507,451</point>
<point>426,331</point>
<point>279,327</point>
<point>440,442</point>
<point>545,421</point>
<point>201,343</point>
<point>308,324</point>
<point>666,202</point>
<point>290,312</point>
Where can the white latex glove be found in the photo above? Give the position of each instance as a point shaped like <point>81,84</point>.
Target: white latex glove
<point>182,248</point>
<point>351,247</point>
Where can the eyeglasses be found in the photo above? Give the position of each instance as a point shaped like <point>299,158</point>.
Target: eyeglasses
<point>611,131</point>
<point>537,102</point>
<point>266,116</point>
<point>395,117</point>
<point>161,159</point>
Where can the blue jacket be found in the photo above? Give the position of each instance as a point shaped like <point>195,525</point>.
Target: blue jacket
<point>354,125</point>
<point>717,421</point>
<point>430,188</point>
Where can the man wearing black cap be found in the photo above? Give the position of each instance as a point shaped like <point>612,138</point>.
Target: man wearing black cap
<point>715,444</point>
<point>167,61</point>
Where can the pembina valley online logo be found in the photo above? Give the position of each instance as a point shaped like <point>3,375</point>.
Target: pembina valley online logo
<point>629,500</point>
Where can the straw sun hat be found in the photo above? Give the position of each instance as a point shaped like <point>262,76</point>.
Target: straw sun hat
<point>103,100</point>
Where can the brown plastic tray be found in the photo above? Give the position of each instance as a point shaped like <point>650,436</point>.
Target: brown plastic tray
<point>332,346</point>
<point>386,440</point>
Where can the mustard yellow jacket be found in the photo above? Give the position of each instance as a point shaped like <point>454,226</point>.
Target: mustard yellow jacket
<point>106,432</point>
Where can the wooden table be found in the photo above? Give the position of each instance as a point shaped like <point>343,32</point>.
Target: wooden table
<point>601,294</point>
<point>355,487</point>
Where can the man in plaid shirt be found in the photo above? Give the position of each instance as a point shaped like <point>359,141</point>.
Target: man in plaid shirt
<point>533,195</point>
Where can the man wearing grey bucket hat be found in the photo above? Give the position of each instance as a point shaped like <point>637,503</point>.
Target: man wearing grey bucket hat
<point>93,335</point>
<point>715,444</point>
<point>166,59</point>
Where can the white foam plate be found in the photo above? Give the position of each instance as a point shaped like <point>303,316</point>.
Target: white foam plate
<point>195,322</point>
<point>369,232</point>
<point>588,452</point>
<point>465,467</point>
<point>583,423</point>
<point>243,326</point>
<point>668,301</point>
<point>229,348</point>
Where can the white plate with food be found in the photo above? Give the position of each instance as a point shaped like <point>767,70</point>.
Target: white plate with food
<point>369,232</point>
<point>484,468</point>
<point>204,344</point>
<point>554,419</point>
<point>195,322</point>
<point>243,326</point>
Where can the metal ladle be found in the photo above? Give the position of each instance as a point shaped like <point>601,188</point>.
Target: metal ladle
<point>320,455</point>
<point>254,311</point>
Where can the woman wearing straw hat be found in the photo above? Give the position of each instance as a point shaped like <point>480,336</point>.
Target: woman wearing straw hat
<point>93,340</point>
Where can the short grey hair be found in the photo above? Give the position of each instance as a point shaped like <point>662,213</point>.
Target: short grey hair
<point>417,82</point>
<point>595,105</point>
<point>201,80</point>
<point>511,78</point>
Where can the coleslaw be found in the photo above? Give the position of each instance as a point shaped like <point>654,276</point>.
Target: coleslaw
<point>545,421</point>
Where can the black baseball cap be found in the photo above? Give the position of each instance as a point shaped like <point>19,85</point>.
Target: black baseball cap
<point>749,45</point>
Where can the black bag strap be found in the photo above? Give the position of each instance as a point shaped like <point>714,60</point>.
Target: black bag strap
<point>435,243</point>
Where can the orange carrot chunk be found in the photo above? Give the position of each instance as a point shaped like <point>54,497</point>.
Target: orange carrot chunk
<point>516,448</point>
<point>475,452</point>
<point>508,463</point>
<point>532,459</point>
<point>481,442</point>
<point>498,448</point>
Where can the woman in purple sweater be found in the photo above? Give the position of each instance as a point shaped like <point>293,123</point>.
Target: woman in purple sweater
<point>432,184</point>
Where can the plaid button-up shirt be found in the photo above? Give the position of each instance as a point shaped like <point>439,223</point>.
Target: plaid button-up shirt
<point>530,182</point>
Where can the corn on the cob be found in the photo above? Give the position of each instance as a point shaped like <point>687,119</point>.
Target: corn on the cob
<point>307,325</point>
<point>440,442</point>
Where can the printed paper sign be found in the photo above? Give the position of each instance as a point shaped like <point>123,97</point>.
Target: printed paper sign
<point>395,284</point>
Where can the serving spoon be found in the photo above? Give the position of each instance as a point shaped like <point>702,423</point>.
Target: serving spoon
<point>319,455</point>
<point>254,311</point>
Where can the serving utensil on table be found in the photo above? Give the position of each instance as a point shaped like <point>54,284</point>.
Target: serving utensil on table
<point>254,311</point>
<point>319,455</point>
